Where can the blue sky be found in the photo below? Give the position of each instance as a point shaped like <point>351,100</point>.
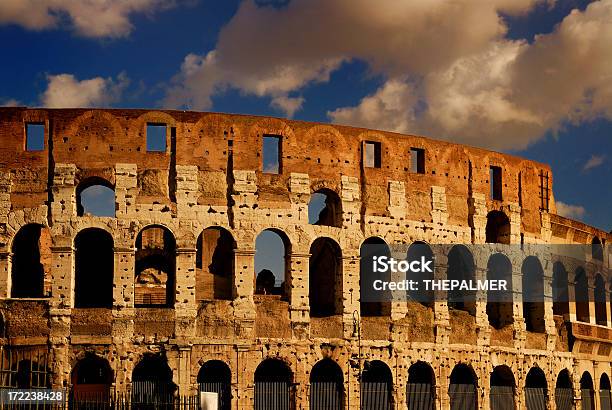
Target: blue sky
<point>528,79</point>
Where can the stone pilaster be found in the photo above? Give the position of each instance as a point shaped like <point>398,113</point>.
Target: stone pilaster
<point>126,189</point>
<point>299,192</point>
<point>478,217</point>
<point>63,206</point>
<point>244,281</point>
<point>5,274</point>
<point>187,190</point>
<point>299,307</point>
<point>439,210</point>
<point>185,305</point>
<point>514,215</point>
<point>350,291</point>
<point>397,199</point>
<point>63,276</point>
<point>350,196</point>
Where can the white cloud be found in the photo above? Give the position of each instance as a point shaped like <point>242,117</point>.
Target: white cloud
<point>288,105</point>
<point>570,211</point>
<point>594,161</point>
<point>65,91</point>
<point>89,18</point>
<point>10,103</point>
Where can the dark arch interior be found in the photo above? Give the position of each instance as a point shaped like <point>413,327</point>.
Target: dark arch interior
<point>560,290</point>
<point>597,249</point>
<point>564,381</point>
<point>325,208</point>
<point>421,373</point>
<point>326,370</point>
<point>31,252</point>
<point>502,376</point>
<point>215,264</point>
<point>462,374</point>
<point>604,382</point>
<point>536,378</point>
<point>601,316</point>
<point>582,296</point>
<point>325,278</point>
<point>155,267</point>
<point>94,265</point>
<point>461,267</point>
<point>272,251</point>
<point>498,228</point>
<point>378,372</point>
<point>373,304</point>
<point>533,294</point>
<point>273,370</point>
<point>92,370</point>
<point>416,251</point>
<point>152,368</point>
<point>30,374</point>
<point>215,371</point>
<point>95,196</point>
<point>586,381</point>
<point>499,304</point>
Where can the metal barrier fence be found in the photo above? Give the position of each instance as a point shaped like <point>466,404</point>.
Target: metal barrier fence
<point>222,389</point>
<point>326,396</point>
<point>535,398</point>
<point>375,396</point>
<point>604,400</point>
<point>420,396</point>
<point>462,396</point>
<point>502,398</point>
<point>272,396</point>
<point>564,398</point>
<point>588,399</point>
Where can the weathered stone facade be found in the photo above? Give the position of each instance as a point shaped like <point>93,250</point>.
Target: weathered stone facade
<point>211,175</point>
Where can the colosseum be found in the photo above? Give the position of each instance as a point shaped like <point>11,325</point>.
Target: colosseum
<point>176,292</point>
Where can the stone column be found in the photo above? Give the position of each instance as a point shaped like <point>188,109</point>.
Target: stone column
<point>350,291</point>
<point>5,274</point>
<point>244,306</point>
<point>297,283</point>
<point>62,257</point>
<point>514,215</point>
<point>518,321</point>
<point>482,320</point>
<point>571,297</point>
<point>442,327</point>
<point>63,206</point>
<point>123,289</point>
<point>126,190</point>
<point>478,217</point>
<point>591,286</point>
<point>185,306</point>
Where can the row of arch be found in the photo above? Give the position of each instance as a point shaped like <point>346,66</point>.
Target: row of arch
<point>155,273</point>
<point>273,382</point>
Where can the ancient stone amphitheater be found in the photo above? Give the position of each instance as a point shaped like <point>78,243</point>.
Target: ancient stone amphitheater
<point>166,298</point>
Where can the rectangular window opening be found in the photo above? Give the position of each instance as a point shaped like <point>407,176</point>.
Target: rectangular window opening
<point>35,137</point>
<point>156,137</point>
<point>417,160</point>
<point>495,179</point>
<point>271,154</point>
<point>544,191</point>
<point>372,154</point>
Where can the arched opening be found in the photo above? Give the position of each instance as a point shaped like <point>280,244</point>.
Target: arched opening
<point>581,290</point>
<point>587,392</point>
<point>604,392</point>
<point>560,292</point>
<point>326,386</point>
<point>2,326</point>
<point>533,294</point>
<point>376,386</point>
<point>216,377</point>
<point>461,267</point>
<point>536,389</point>
<point>597,249</point>
<point>325,278</point>
<point>215,264</point>
<point>152,381</point>
<point>601,316</point>
<point>325,208</point>
<point>462,388</point>
<point>95,196</point>
<point>31,262</point>
<point>498,228</point>
<point>91,381</point>
<point>373,302</point>
<point>273,380</point>
<point>421,389</point>
<point>272,251</point>
<point>499,303</point>
<point>502,388</point>
<point>155,268</point>
<point>564,394</point>
<point>417,251</point>
<point>94,265</point>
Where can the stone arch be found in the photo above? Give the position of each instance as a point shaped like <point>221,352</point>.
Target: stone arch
<point>500,304</point>
<point>587,391</point>
<point>373,303</point>
<point>376,386</point>
<point>604,392</point>
<point>272,263</point>
<point>31,262</point>
<point>581,286</point>
<point>273,379</point>
<point>462,387</point>
<point>91,379</point>
<point>155,267</point>
<point>325,278</point>
<point>536,389</point>
<point>325,208</point>
<point>326,386</point>
<point>533,294</point>
<point>215,376</point>
<point>215,264</point>
<point>564,392</point>
<point>461,266</point>
<point>601,315</point>
<point>503,387</point>
<point>421,387</point>
<point>93,197</point>
<point>560,291</point>
<point>94,262</point>
<point>152,380</point>
<point>498,228</point>
<point>416,251</point>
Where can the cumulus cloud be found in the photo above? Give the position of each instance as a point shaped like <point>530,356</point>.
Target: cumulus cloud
<point>10,103</point>
<point>448,68</point>
<point>594,161</point>
<point>65,91</point>
<point>89,18</point>
<point>570,211</point>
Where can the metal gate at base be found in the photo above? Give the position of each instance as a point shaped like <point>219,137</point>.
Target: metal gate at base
<point>272,396</point>
<point>502,398</point>
<point>375,396</point>
<point>326,396</point>
<point>222,389</point>
<point>604,400</point>
<point>588,399</point>
<point>564,398</point>
<point>535,398</point>
<point>420,396</point>
<point>462,396</point>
